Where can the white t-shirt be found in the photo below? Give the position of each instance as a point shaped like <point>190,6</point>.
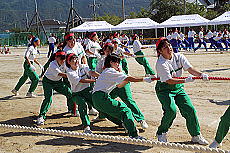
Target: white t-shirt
<point>100,64</point>
<point>169,37</point>
<point>215,34</point>
<point>77,49</point>
<point>125,38</point>
<point>53,70</point>
<point>167,69</point>
<point>201,35</point>
<point>118,40</point>
<point>74,76</point>
<point>182,36</point>
<point>217,38</point>
<point>86,41</point>
<point>52,40</point>
<point>31,52</point>
<point>119,51</point>
<point>191,34</point>
<point>209,35</point>
<point>108,80</point>
<point>175,35</point>
<point>136,46</point>
<point>93,47</point>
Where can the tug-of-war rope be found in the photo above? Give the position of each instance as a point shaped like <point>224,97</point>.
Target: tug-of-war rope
<point>210,78</point>
<point>113,139</point>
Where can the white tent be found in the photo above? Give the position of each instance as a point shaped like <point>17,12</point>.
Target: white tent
<point>184,21</point>
<point>93,26</point>
<point>222,19</point>
<point>139,23</point>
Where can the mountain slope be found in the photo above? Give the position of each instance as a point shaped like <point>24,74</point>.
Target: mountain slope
<point>13,12</point>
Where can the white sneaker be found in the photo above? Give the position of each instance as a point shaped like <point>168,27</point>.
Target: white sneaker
<point>30,95</point>
<point>40,121</point>
<point>143,124</point>
<point>162,137</point>
<point>98,119</point>
<point>93,111</point>
<point>199,139</point>
<point>15,92</point>
<point>87,130</point>
<point>214,144</point>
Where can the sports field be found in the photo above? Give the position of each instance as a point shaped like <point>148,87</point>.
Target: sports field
<point>210,99</point>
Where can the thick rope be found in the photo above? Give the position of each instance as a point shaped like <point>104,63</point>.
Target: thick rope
<point>114,139</point>
<point>210,78</point>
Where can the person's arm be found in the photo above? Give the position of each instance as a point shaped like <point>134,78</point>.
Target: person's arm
<point>87,81</point>
<point>94,74</point>
<point>194,72</point>
<point>133,79</point>
<point>89,52</point>
<point>62,75</point>
<point>175,81</point>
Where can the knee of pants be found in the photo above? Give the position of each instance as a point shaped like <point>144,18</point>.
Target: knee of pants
<point>126,112</point>
<point>170,112</point>
<point>35,79</point>
<point>225,119</point>
<point>188,112</point>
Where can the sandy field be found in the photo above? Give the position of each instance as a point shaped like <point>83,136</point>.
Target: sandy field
<point>210,99</point>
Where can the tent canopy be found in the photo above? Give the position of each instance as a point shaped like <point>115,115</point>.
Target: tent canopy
<point>139,23</point>
<point>222,19</point>
<point>93,26</point>
<point>184,21</point>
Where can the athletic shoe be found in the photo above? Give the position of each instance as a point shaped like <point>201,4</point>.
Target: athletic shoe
<point>15,92</point>
<point>40,121</point>
<point>214,144</point>
<point>199,139</point>
<point>30,95</point>
<point>138,137</point>
<point>98,119</point>
<point>93,111</point>
<point>143,124</point>
<point>87,130</point>
<point>162,137</point>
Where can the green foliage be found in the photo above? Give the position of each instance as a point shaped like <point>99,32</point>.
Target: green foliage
<point>112,19</point>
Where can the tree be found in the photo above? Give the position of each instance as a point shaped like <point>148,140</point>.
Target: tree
<point>112,19</point>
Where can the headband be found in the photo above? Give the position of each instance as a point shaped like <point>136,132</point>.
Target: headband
<point>69,35</point>
<point>92,34</point>
<point>60,53</point>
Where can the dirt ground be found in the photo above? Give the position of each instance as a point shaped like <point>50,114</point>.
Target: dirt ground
<point>209,98</point>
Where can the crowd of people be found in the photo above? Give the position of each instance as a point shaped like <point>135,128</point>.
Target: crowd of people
<point>215,38</point>
<point>92,74</point>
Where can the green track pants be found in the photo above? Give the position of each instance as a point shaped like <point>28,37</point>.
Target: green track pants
<point>92,62</point>
<point>143,61</point>
<point>125,94</point>
<point>28,73</point>
<point>83,98</point>
<point>104,103</point>
<point>223,127</point>
<point>171,96</point>
<point>48,87</point>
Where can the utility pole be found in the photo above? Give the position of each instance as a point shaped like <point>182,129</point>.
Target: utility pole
<point>37,21</point>
<point>73,18</point>
<point>94,5</point>
<point>123,9</point>
<point>184,6</point>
